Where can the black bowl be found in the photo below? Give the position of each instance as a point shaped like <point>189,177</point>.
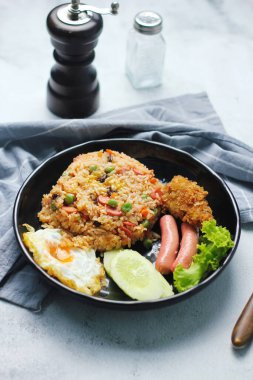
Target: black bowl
<point>166,162</point>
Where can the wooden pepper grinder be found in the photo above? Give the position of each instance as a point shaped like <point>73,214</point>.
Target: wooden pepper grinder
<point>73,88</point>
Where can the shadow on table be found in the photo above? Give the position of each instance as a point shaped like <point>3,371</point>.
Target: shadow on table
<point>241,352</point>
<point>150,329</point>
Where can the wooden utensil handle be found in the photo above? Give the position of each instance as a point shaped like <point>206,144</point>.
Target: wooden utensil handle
<point>243,330</point>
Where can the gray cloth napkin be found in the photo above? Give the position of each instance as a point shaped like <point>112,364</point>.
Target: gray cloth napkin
<point>187,122</point>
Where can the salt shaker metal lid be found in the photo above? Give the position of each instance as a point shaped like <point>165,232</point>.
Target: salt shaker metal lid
<point>148,22</point>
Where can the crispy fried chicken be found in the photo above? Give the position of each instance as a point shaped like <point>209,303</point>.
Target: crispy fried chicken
<point>185,199</point>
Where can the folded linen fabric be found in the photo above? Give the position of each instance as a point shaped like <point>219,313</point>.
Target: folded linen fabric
<point>188,122</point>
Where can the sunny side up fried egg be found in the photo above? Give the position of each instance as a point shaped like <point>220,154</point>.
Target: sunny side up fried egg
<point>75,267</point>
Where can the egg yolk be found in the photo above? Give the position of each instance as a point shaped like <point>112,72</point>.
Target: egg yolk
<point>60,252</point>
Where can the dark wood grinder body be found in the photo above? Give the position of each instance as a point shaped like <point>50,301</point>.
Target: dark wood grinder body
<point>73,88</point>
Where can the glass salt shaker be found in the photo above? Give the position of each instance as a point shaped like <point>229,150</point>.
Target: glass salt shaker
<point>145,51</point>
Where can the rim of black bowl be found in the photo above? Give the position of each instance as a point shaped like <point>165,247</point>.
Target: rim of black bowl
<point>129,304</point>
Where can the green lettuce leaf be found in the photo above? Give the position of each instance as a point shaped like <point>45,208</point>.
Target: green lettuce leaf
<point>215,242</point>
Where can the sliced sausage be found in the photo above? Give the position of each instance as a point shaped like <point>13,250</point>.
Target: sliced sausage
<point>112,212</point>
<point>188,246</point>
<point>69,209</point>
<point>103,200</point>
<point>169,244</point>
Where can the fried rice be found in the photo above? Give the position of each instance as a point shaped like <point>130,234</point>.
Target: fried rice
<point>104,200</point>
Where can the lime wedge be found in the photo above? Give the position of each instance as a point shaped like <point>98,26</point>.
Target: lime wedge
<point>136,276</point>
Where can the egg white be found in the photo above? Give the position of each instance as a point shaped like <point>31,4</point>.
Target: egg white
<point>84,272</point>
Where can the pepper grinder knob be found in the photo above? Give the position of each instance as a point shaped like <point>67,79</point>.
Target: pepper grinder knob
<point>73,88</point>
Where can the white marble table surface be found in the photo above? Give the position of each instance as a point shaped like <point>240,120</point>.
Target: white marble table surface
<point>209,48</point>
